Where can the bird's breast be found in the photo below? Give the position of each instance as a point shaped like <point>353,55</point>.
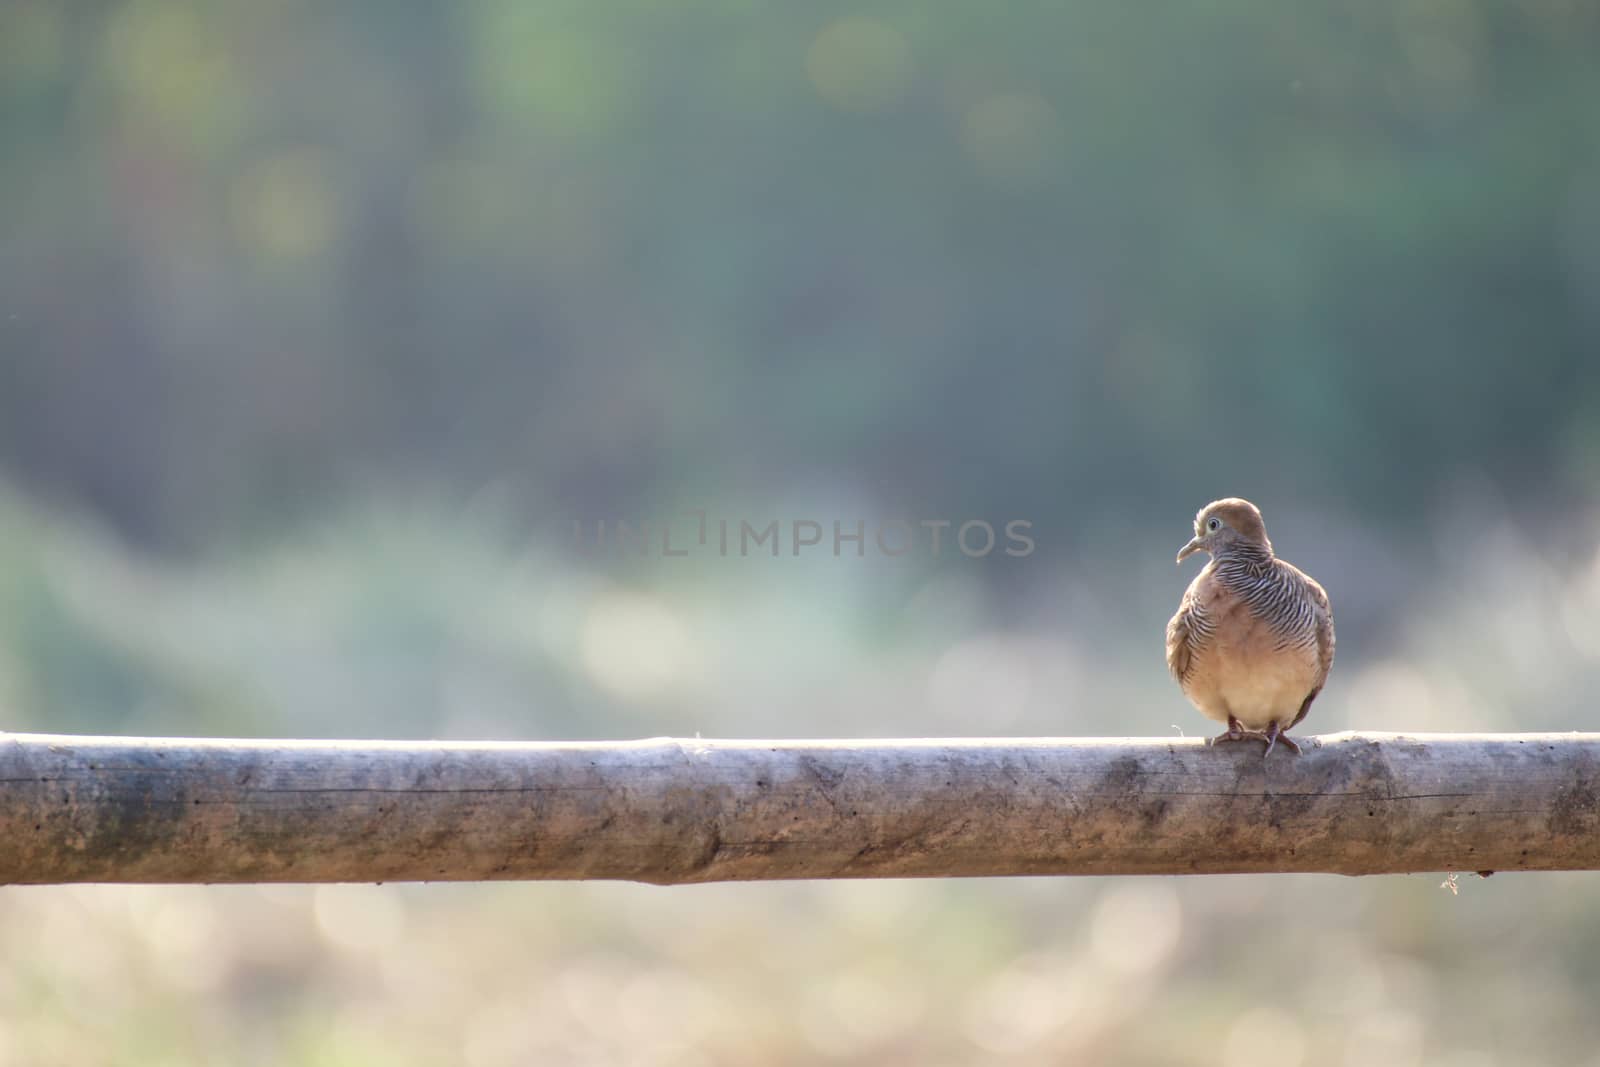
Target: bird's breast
<point>1248,669</point>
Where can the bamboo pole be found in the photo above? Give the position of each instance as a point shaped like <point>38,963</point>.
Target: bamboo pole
<point>667,811</point>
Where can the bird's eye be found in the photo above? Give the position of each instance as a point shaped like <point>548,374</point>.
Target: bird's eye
<point>1213,524</point>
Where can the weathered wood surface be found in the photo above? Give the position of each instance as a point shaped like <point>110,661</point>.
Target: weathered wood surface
<point>107,809</point>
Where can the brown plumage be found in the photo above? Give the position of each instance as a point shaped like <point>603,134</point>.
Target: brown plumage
<point>1252,642</point>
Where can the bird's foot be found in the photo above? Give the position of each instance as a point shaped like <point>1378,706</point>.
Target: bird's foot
<point>1274,734</point>
<point>1240,734</point>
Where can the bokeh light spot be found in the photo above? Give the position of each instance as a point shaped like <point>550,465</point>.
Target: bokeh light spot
<point>981,673</point>
<point>1264,1037</point>
<point>634,646</point>
<point>283,207</point>
<point>360,918</point>
<point>1135,928</point>
<point>1013,140</point>
<point>860,65</point>
<point>1393,1038</point>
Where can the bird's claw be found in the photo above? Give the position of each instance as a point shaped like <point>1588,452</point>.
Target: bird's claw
<point>1239,735</point>
<point>1273,735</point>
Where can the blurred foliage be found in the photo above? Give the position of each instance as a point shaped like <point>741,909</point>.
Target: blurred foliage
<point>311,316</point>
<point>612,257</point>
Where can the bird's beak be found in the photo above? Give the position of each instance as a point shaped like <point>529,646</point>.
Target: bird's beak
<point>1189,549</point>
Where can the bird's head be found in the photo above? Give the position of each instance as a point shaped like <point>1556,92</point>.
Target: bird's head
<point>1225,524</point>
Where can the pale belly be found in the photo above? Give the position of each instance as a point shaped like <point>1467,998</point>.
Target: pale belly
<point>1255,687</point>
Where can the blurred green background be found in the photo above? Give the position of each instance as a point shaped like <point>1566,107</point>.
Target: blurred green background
<point>321,325</point>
